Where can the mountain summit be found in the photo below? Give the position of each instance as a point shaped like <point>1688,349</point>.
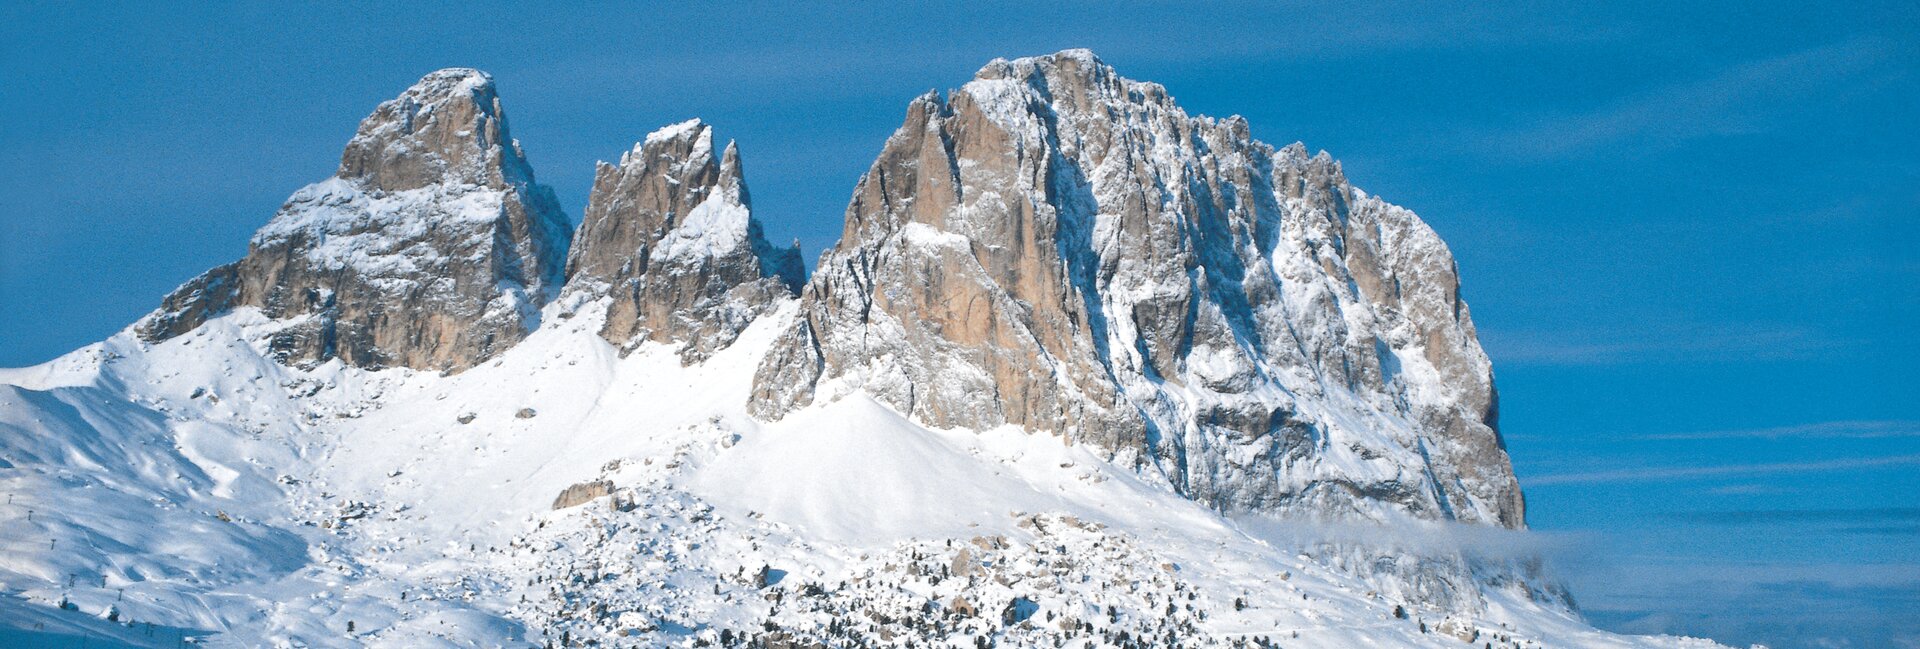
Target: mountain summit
<point>670,237</point>
<point>1059,248</point>
<point>432,247</point>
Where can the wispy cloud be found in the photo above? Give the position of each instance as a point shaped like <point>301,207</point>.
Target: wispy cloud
<point>1819,605</point>
<point>1742,99</point>
<point>1659,474</point>
<point>1768,516</point>
<point>800,53</point>
<point>1747,490</point>
<point>1656,342</point>
<point>1864,429</point>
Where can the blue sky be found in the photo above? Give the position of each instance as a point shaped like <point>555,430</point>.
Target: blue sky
<point>1687,230</point>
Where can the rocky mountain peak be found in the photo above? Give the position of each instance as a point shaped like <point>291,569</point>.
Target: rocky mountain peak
<point>448,128</point>
<point>1068,70</point>
<point>1059,248</point>
<point>1069,82</point>
<point>432,247</point>
<point>669,237</point>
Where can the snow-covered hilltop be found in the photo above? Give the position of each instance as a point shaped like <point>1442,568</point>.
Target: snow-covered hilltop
<point>1084,371</point>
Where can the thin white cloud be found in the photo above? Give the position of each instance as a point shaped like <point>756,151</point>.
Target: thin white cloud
<point>1654,341</point>
<point>851,58</point>
<point>1839,516</point>
<point>1747,490</point>
<point>1662,474</point>
<point>1738,100</point>
<point>1860,429</point>
<point>1828,604</point>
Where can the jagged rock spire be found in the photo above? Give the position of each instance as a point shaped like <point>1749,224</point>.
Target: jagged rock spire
<point>669,237</point>
<point>432,247</point>
<point>1056,247</point>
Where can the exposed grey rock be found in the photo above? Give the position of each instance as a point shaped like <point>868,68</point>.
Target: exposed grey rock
<point>432,247</point>
<point>1058,248</point>
<point>669,235</point>
<point>582,493</point>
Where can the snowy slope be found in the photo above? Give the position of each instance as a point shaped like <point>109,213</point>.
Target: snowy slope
<point>211,489</point>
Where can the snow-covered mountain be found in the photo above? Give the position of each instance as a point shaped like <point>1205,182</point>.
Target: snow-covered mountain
<point>669,237</point>
<point>1058,248</point>
<point>431,247</point>
<point>1084,370</point>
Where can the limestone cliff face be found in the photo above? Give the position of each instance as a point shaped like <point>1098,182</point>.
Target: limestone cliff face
<point>1058,248</point>
<point>432,247</point>
<point>670,238</point>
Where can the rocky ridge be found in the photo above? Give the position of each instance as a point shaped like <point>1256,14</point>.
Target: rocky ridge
<point>1051,246</point>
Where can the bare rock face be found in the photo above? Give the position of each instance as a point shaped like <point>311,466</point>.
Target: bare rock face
<point>432,247</point>
<point>1058,248</point>
<point>582,493</point>
<point>669,236</point>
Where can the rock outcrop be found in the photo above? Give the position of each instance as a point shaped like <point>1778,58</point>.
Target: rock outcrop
<point>670,238</point>
<point>1061,249</point>
<point>582,493</point>
<point>432,247</point>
